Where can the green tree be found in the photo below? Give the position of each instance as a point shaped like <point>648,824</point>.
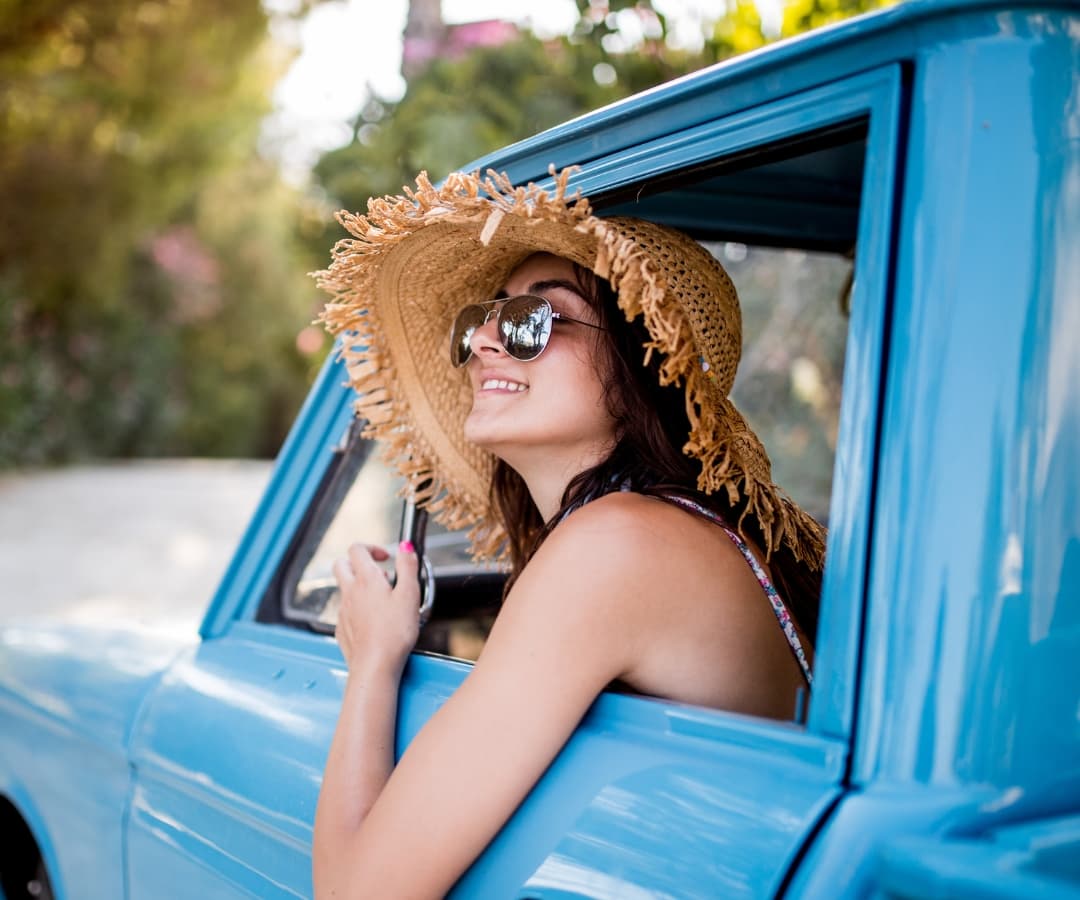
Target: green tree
<point>459,109</point>
<point>151,285</point>
<point>152,289</point>
<point>805,15</point>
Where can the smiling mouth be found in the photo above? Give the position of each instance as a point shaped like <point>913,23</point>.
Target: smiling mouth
<point>495,384</point>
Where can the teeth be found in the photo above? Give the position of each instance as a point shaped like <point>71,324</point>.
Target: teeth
<point>492,384</point>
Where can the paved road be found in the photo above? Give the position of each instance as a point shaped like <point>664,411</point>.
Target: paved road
<point>147,541</point>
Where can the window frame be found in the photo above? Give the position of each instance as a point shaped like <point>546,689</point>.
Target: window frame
<point>350,455</point>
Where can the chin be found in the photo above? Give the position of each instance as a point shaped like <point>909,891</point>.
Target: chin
<point>497,438</point>
<point>485,435</point>
<point>498,445</point>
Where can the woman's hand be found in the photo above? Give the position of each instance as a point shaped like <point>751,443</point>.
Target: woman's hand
<point>377,624</point>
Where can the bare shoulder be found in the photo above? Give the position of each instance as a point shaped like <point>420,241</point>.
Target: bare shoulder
<point>633,560</point>
<point>675,603</point>
<point>643,537</point>
<point>620,545</point>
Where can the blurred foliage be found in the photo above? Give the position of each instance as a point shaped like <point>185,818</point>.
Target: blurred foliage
<point>789,379</point>
<point>151,264</point>
<point>805,15</point>
<point>457,110</point>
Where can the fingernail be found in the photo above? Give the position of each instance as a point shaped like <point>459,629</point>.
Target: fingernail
<point>406,547</point>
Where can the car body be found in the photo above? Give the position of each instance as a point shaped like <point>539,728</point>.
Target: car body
<point>936,148</point>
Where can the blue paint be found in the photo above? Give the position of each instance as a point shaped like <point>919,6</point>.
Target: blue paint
<point>975,568</point>
<point>69,698</point>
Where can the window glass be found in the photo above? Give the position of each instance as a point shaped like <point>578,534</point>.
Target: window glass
<point>370,512</point>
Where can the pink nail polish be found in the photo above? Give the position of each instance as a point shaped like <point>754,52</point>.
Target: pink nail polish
<point>406,547</point>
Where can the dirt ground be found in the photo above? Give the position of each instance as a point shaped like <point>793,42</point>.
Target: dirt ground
<point>147,541</point>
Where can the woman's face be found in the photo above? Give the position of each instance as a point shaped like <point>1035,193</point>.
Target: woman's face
<point>553,404</point>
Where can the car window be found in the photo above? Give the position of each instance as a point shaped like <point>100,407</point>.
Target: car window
<point>369,512</point>
<point>794,275</point>
<point>788,387</point>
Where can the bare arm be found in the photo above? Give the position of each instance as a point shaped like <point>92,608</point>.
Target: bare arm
<point>377,627</point>
<point>556,645</point>
<point>620,590</point>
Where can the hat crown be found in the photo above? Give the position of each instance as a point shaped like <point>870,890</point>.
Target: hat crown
<point>695,281</point>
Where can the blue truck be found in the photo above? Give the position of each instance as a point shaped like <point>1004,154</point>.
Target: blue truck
<point>898,200</point>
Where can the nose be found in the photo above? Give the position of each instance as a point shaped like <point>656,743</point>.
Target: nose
<point>485,339</point>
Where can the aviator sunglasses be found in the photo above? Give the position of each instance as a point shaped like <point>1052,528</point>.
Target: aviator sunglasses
<point>523,324</point>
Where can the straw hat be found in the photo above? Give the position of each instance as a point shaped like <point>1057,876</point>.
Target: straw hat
<point>415,260</point>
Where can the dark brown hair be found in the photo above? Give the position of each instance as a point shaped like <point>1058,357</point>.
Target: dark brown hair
<point>647,458</point>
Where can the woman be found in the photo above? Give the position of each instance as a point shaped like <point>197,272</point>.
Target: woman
<point>577,418</point>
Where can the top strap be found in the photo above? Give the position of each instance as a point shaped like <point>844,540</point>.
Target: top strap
<point>779,608</point>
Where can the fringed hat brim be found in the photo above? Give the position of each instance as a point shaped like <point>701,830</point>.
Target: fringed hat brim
<point>414,260</point>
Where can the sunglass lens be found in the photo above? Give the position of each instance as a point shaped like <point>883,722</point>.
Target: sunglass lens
<point>525,326</point>
<point>467,321</point>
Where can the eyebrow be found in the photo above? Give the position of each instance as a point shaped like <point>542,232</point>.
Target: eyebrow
<point>546,285</point>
